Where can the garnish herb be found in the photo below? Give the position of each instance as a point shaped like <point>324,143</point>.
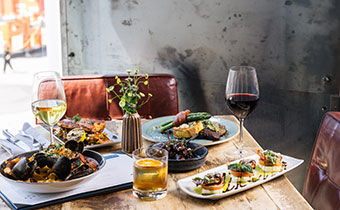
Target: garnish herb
<point>76,118</point>
<point>241,167</point>
<point>271,156</point>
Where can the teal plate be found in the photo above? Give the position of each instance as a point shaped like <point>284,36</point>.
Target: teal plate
<point>150,134</point>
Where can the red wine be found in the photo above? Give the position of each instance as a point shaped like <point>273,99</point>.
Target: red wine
<point>242,104</point>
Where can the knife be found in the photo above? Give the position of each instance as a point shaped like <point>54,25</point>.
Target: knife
<point>10,138</point>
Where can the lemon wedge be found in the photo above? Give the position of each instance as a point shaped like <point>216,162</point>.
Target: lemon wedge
<point>76,134</point>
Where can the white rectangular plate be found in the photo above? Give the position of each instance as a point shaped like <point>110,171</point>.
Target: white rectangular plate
<point>187,186</point>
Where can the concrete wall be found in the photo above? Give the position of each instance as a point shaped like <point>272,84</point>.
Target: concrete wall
<point>293,44</point>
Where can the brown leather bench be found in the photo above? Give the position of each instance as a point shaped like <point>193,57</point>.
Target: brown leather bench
<point>322,184</point>
<point>86,95</point>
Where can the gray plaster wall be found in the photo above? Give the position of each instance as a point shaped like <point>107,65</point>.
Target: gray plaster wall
<point>293,44</point>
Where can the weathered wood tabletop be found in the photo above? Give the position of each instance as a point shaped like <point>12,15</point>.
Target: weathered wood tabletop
<point>276,194</point>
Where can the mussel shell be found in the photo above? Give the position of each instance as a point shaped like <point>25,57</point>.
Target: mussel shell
<point>75,146</point>
<point>43,160</point>
<point>62,167</point>
<point>23,169</point>
<point>80,173</point>
<point>81,147</point>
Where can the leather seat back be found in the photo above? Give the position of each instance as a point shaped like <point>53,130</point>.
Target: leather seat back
<point>86,95</point>
<point>322,184</point>
<point>164,101</point>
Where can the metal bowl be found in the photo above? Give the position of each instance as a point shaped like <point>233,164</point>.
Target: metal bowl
<point>53,187</point>
<point>188,164</point>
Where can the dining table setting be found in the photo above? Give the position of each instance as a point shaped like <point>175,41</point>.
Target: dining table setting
<point>191,160</point>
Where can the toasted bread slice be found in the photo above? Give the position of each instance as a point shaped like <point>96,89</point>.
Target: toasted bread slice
<point>187,130</point>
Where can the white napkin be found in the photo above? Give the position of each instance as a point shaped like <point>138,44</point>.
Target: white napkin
<point>28,129</point>
<point>12,149</point>
<point>28,141</point>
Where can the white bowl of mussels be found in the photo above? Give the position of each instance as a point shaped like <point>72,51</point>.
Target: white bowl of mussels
<point>58,168</point>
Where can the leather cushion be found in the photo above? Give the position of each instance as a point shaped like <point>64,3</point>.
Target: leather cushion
<point>86,95</point>
<point>322,184</point>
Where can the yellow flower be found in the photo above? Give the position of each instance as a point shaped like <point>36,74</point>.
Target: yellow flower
<point>146,82</point>
<point>146,76</point>
<point>137,71</point>
<point>107,89</point>
<point>118,81</point>
<point>116,77</point>
<point>150,95</point>
<point>141,94</point>
<point>110,100</point>
<point>130,94</point>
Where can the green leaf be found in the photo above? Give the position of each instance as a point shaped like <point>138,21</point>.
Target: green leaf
<point>76,118</point>
<point>197,178</point>
<point>247,168</point>
<point>234,166</point>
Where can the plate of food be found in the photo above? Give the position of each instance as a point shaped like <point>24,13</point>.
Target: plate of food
<point>238,176</point>
<point>57,168</point>
<point>92,132</point>
<point>201,128</point>
<point>183,155</point>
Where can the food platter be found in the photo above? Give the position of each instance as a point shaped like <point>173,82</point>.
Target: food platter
<point>114,139</point>
<point>53,187</point>
<point>154,135</point>
<point>187,185</point>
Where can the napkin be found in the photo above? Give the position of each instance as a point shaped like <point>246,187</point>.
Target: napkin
<point>12,149</point>
<point>28,129</point>
<point>28,141</point>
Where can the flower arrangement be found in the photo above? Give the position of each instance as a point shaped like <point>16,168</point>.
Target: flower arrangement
<point>128,95</point>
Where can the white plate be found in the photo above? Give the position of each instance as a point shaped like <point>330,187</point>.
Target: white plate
<point>187,186</point>
<point>150,134</point>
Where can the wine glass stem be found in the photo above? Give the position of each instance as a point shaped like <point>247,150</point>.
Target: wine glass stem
<point>51,135</point>
<point>240,147</point>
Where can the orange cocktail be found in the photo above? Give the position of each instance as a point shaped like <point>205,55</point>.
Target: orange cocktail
<point>150,175</point>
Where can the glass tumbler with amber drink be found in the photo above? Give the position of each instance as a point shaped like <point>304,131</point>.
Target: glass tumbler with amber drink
<point>150,173</point>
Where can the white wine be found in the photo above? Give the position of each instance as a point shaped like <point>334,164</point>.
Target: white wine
<point>49,111</point>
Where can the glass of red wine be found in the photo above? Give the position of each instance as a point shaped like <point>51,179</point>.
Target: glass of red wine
<point>242,95</point>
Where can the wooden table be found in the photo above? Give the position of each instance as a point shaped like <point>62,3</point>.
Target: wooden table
<point>276,194</point>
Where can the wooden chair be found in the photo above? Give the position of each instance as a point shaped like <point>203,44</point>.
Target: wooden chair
<point>86,95</point>
<point>322,184</point>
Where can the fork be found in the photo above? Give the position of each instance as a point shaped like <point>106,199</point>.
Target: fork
<point>36,143</point>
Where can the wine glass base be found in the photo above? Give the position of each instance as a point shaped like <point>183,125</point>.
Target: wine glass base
<point>241,152</point>
<point>231,155</point>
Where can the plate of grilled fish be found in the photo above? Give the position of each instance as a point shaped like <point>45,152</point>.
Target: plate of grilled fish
<point>92,132</point>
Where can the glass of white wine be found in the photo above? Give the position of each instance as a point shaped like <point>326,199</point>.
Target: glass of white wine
<point>48,99</point>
